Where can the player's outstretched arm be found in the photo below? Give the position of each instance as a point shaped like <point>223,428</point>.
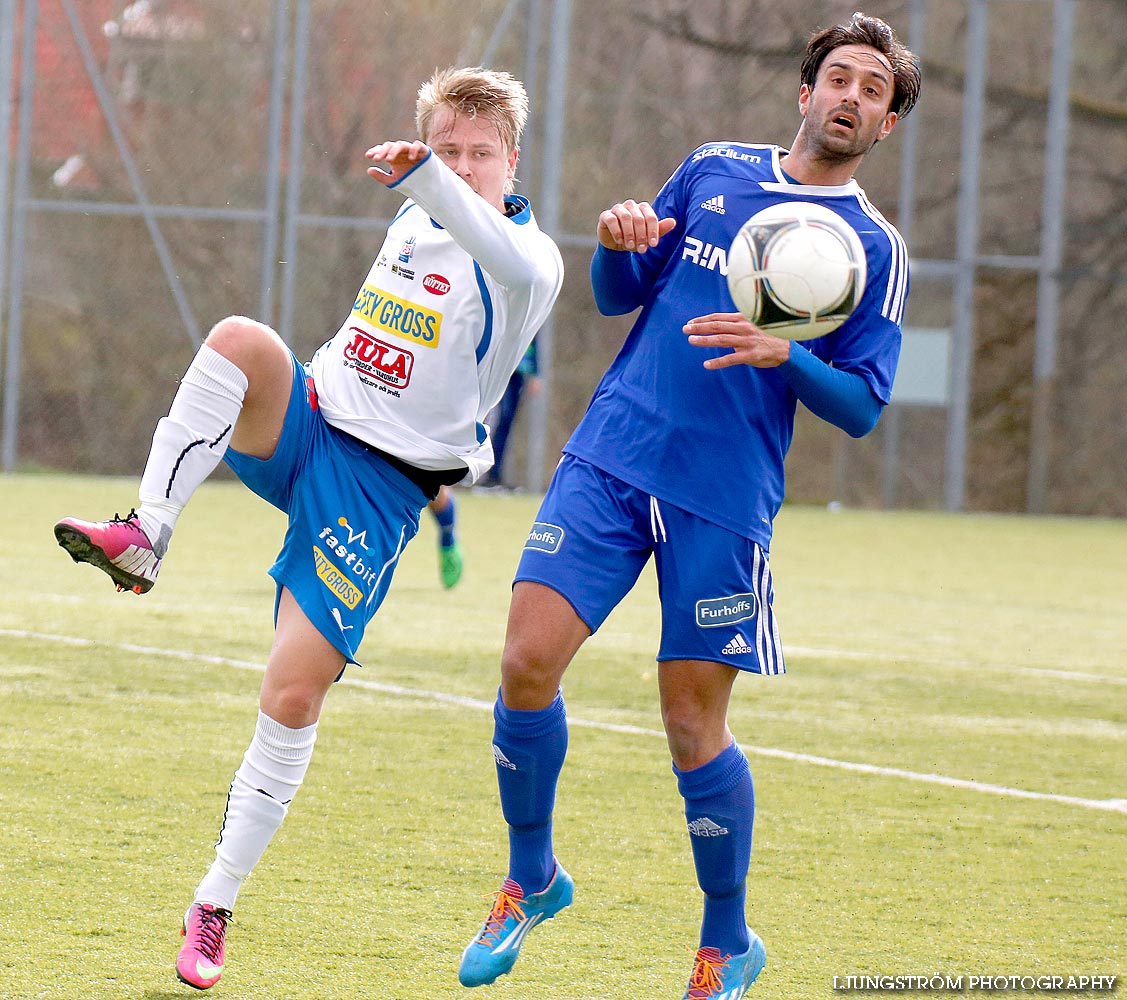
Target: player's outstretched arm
<point>393,160</point>
<point>516,256</point>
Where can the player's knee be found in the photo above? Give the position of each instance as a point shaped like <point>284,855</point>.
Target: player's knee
<point>693,739</point>
<point>529,679</point>
<point>238,338</point>
<point>293,705</point>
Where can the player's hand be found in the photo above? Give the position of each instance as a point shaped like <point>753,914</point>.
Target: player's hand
<point>749,345</point>
<point>632,225</point>
<point>391,161</point>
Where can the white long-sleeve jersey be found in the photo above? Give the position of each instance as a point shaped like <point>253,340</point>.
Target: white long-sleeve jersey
<point>448,309</point>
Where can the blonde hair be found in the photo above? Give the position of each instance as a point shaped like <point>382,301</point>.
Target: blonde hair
<point>494,95</point>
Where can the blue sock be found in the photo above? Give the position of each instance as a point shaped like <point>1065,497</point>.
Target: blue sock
<point>530,748</point>
<point>445,519</point>
<point>720,809</point>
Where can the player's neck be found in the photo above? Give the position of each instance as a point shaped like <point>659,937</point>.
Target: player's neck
<point>805,166</point>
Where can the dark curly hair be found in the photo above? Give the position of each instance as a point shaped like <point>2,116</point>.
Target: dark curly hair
<point>862,29</point>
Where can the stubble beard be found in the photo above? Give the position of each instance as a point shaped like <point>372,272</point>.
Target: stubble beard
<point>833,150</point>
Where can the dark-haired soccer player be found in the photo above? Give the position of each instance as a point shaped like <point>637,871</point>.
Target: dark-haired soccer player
<point>683,460</point>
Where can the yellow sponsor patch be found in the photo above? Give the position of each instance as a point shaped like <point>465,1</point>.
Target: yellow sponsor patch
<point>335,580</point>
<point>398,317</point>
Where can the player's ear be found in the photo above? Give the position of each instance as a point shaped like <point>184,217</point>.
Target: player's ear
<point>889,121</point>
<point>514,156</point>
<point>804,93</point>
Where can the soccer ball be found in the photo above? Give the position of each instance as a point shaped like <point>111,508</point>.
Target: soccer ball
<point>796,270</point>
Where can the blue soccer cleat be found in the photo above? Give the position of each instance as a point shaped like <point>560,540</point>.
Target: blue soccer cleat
<point>495,947</point>
<point>726,977</point>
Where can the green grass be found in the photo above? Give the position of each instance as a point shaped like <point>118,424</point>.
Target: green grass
<point>984,649</point>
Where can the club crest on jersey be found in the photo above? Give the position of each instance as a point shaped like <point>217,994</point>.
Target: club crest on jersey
<point>716,611</point>
<point>408,250</point>
<point>389,364</point>
<point>545,537</point>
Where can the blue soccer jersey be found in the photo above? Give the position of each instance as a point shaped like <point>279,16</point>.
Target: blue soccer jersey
<point>714,442</point>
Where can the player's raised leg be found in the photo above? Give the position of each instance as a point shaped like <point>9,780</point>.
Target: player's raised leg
<point>235,391</point>
<point>529,746</point>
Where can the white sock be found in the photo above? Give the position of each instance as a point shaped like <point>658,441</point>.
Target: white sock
<point>190,442</point>
<point>272,770</point>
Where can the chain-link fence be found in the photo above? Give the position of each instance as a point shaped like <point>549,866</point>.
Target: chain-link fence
<point>172,162</point>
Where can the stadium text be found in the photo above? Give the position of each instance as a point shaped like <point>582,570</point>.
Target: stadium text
<point>727,153</point>
<point>966,984</point>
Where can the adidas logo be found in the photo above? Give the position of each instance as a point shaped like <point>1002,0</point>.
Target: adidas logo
<point>714,205</point>
<point>502,760</point>
<point>737,646</point>
<point>704,827</point>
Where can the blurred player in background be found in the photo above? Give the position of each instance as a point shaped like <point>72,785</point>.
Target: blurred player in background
<point>351,445</point>
<point>524,381</point>
<point>683,460</point>
<point>444,510</point>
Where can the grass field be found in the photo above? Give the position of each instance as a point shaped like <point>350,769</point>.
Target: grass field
<point>941,777</point>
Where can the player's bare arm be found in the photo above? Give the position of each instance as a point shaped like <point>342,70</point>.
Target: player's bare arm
<point>749,344</point>
<point>632,225</point>
<point>393,159</point>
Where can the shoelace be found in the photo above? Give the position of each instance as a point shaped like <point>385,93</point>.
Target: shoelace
<point>212,925</point>
<point>705,980</point>
<point>130,517</point>
<point>504,906</point>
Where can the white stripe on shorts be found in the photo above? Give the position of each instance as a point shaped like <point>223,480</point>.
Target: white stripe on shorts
<point>391,562</point>
<point>768,646</point>
<point>656,522</point>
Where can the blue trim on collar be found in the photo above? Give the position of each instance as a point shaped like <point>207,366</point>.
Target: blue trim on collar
<point>523,213</point>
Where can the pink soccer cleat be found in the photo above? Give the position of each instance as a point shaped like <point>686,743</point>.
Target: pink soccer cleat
<point>200,962</point>
<point>118,547</point>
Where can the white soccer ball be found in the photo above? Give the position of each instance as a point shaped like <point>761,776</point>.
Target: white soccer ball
<point>796,270</point>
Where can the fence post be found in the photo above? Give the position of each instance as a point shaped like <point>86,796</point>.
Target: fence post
<point>1048,272</point>
<point>966,250</point>
<point>14,351</point>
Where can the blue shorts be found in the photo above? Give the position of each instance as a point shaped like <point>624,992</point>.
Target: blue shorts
<point>350,517</point>
<point>593,536</point>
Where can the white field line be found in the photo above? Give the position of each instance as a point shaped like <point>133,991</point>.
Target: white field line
<point>936,661</point>
<point>1106,805</point>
